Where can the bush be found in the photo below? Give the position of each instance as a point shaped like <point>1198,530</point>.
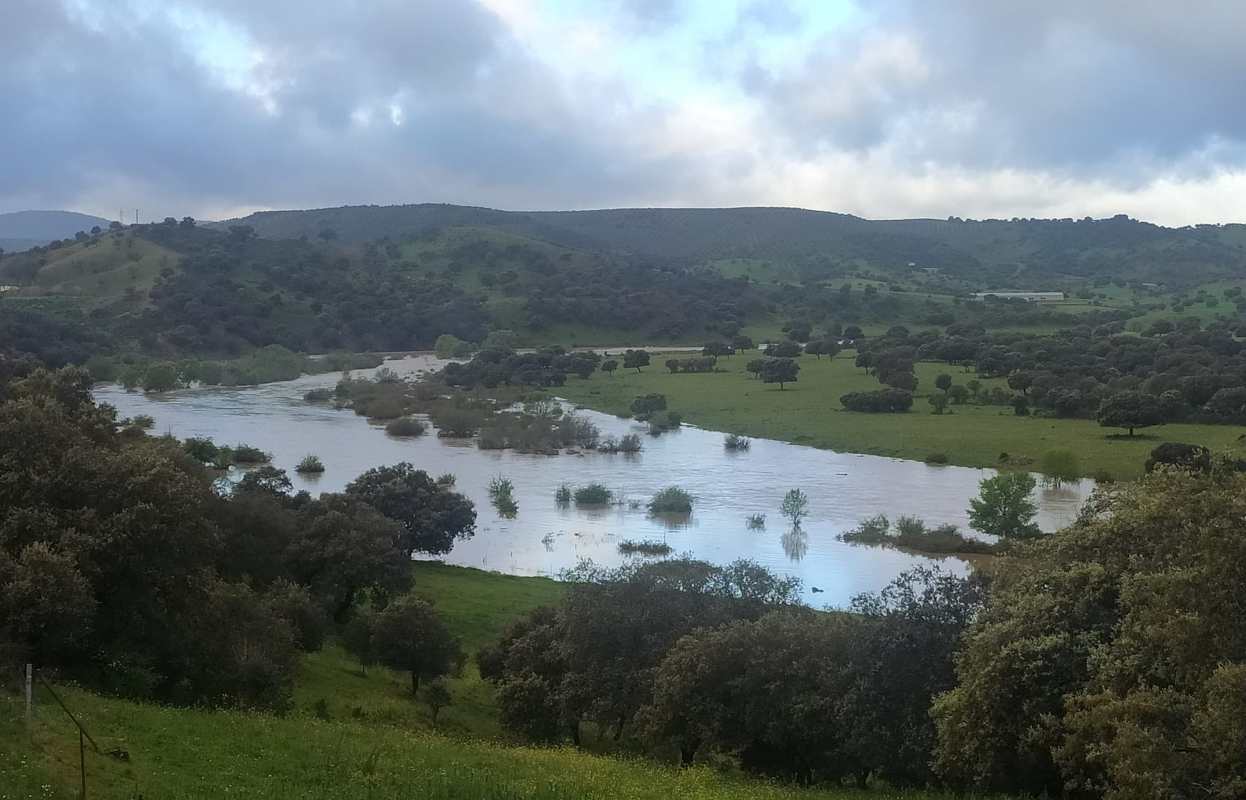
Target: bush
<point>386,406</point>
<point>458,423</point>
<point>405,426</point>
<point>911,533</point>
<point>246,454</point>
<point>595,494</point>
<point>630,443</point>
<point>563,495</point>
<point>646,547</point>
<point>879,401</point>
<point>937,458</point>
<point>734,442</point>
<point>143,422</point>
<point>204,451</point>
<point>310,464</point>
<point>756,522</point>
<point>1059,467</point>
<point>318,395</point>
<point>671,500</point>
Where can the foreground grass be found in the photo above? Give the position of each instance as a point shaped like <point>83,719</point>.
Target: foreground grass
<point>373,742</point>
<point>477,606</point>
<point>177,753</point>
<point>808,412</point>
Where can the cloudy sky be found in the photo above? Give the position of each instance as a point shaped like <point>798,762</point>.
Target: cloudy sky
<point>884,108</point>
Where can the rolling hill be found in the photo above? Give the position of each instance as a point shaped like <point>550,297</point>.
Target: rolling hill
<point>21,230</point>
<point>1000,253</point>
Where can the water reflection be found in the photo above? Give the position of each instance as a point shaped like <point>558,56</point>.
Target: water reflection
<point>795,543</point>
<point>546,537</point>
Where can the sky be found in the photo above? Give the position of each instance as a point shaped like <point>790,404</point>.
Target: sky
<point>882,108</point>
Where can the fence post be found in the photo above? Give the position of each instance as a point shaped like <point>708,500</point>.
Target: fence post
<point>30,696</point>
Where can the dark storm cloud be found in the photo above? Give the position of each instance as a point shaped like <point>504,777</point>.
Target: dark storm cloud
<point>391,101</point>
<point>1103,87</point>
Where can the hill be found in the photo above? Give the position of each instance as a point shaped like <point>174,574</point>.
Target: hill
<point>1027,253</point>
<point>20,230</point>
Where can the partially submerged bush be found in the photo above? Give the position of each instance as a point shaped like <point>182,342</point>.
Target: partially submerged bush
<point>911,533</point>
<point>318,395</point>
<point>405,426</point>
<point>311,464</point>
<point>735,442</point>
<point>595,494</point>
<point>756,522</point>
<point>563,495</point>
<point>671,500</point>
<point>646,547</point>
<point>246,454</point>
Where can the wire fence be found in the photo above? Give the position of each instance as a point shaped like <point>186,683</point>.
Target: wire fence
<point>50,719</point>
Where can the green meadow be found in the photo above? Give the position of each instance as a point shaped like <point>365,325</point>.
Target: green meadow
<point>809,412</point>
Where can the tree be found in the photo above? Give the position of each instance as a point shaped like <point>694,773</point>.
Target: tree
<point>717,349</point>
<point>1059,467</point>
<point>795,506</point>
<point>635,359</point>
<point>958,394</point>
<point>646,406</point>
<point>409,636</point>
<point>343,548</point>
<point>780,371</point>
<point>1020,405</point>
<point>943,382</point>
<point>755,366</point>
<point>938,402</point>
<point>1130,410</point>
<point>356,637</point>
<point>436,697</point>
<point>783,350</point>
<point>609,366</point>
<point>742,343</point>
<point>1003,507</point>
<point>1109,660</point>
<point>432,516</point>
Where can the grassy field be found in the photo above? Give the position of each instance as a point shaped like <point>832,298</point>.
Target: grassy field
<point>809,412</point>
<point>373,742</point>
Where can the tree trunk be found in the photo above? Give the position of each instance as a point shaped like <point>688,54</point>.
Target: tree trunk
<point>415,683</point>
<point>575,733</point>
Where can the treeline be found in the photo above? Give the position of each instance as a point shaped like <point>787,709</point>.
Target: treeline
<point>1106,660</point>
<point>122,567</point>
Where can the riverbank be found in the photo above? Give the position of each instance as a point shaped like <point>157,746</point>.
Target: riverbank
<point>348,735</point>
<point>808,412</point>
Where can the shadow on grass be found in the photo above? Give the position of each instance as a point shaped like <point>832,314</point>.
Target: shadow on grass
<point>1137,437</point>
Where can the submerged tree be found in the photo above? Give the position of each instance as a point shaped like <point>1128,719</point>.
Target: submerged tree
<point>1003,508</point>
<point>795,506</point>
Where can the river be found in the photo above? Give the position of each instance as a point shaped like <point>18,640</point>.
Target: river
<point>543,538</point>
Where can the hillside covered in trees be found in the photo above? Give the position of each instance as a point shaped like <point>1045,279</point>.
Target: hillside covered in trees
<point>1003,252</point>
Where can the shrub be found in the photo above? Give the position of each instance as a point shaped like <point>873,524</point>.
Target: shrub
<point>384,407</point>
<point>629,443</point>
<point>246,454</point>
<point>1059,467</point>
<point>937,458</point>
<point>458,423</point>
<point>879,401</point>
<point>671,500</point>
<point>204,451</point>
<point>563,495</point>
<point>646,547</point>
<point>756,522</point>
<point>734,442</point>
<point>310,464</point>
<point>595,494</point>
<point>405,426</point>
<point>143,422</point>
<point>318,395</point>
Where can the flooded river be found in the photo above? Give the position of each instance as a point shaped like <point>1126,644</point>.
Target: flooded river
<point>543,538</point>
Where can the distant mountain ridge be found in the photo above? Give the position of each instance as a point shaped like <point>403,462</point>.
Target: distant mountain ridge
<point>1020,251</point>
<point>21,230</point>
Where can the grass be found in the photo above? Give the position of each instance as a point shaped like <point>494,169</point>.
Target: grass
<point>808,412</point>
<point>368,740</point>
